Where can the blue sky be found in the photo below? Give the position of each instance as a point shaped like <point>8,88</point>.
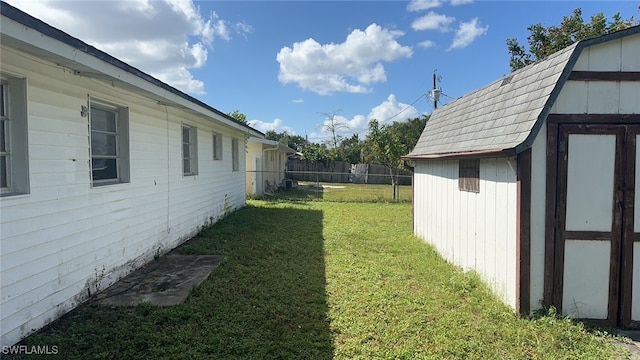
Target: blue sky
<point>289,64</point>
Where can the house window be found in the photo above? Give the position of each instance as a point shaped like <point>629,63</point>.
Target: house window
<point>189,150</point>
<point>14,158</point>
<point>109,126</point>
<point>217,146</point>
<point>235,155</point>
<point>469,175</point>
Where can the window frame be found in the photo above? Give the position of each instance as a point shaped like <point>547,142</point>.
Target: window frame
<point>192,144</point>
<point>469,175</point>
<point>217,146</point>
<point>235,155</point>
<point>15,135</point>
<point>121,134</point>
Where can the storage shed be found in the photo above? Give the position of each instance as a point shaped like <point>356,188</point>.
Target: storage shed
<point>530,181</point>
<point>102,166</point>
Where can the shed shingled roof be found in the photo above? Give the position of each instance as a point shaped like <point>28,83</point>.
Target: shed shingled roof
<point>506,114</point>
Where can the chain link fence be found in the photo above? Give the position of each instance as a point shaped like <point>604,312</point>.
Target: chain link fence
<point>329,186</point>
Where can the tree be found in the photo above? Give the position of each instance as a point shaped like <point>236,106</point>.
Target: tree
<point>332,124</point>
<point>316,153</point>
<point>240,117</point>
<point>544,41</point>
<point>409,131</point>
<point>351,149</point>
<point>385,147</point>
<point>295,142</point>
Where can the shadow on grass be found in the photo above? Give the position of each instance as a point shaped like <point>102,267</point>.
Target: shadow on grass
<point>266,300</point>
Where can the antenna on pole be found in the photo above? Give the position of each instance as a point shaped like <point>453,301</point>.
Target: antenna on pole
<point>434,94</point>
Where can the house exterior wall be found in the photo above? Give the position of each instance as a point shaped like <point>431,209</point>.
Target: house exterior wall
<point>476,231</point>
<point>254,168</point>
<point>66,240</point>
<point>272,167</point>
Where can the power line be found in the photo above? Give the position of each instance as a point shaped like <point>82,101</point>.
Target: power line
<point>403,110</point>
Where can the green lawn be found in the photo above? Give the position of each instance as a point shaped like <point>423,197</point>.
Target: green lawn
<point>344,192</point>
<point>322,280</point>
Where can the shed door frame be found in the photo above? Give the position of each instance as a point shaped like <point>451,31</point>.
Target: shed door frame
<point>622,236</point>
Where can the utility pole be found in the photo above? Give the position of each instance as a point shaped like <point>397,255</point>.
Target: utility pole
<point>434,94</point>
<point>435,101</point>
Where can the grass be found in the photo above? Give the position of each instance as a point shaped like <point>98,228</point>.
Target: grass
<point>344,192</point>
<point>322,280</point>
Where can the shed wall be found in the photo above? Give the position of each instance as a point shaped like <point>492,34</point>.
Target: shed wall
<point>538,213</point>
<point>603,97</point>
<point>66,240</point>
<point>476,231</point>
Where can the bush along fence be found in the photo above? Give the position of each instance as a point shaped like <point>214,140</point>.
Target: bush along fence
<point>343,172</point>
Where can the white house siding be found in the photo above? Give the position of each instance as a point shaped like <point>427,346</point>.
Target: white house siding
<point>271,167</point>
<point>66,240</point>
<point>476,231</point>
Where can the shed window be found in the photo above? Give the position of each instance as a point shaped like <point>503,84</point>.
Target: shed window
<point>109,143</point>
<point>469,175</point>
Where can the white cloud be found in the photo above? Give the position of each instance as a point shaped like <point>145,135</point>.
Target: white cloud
<point>467,32</point>
<point>297,101</point>
<point>391,110</point>
<point>387,112</point>
<point>163,38</point>
<point>351,66</point>
<point>244,29</point>
<point>418,5</point>
<point>460,2</point>
<point>427,44</point>
<point>433,21</point>
<point>276,125</point>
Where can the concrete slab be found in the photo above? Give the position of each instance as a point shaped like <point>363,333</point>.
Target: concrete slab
<point>632,342</point>
<point>166,281</point>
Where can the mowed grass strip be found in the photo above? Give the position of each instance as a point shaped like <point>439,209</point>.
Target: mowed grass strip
<point>322,280</point>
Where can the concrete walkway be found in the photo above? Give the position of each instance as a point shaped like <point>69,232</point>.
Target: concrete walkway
<point>163,282</point>
<point>633,343</point>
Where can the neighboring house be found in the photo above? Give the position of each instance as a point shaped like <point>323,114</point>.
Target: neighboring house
<point>530,181</point>
<point>266,165</point>
<point>102,167</point>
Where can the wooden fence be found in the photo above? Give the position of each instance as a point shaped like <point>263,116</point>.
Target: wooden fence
<point>342,172</point>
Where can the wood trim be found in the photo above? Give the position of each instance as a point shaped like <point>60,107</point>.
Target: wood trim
<point>523,234</point>
<point>629,237</point>
<point>604,76</point>
<point>465,155</point>
<point>594,118</point>
<point>560,216</point>
<point>615,272</point>
<point>587,235</point>
<point>550,217</point>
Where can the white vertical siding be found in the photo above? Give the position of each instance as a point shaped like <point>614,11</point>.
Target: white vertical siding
<point>603,97</point>
<point>476,231</point>
<point>66,240</point>
<point>538,217</point>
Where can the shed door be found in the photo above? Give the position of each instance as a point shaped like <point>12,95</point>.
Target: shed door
<point>596,228</point>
